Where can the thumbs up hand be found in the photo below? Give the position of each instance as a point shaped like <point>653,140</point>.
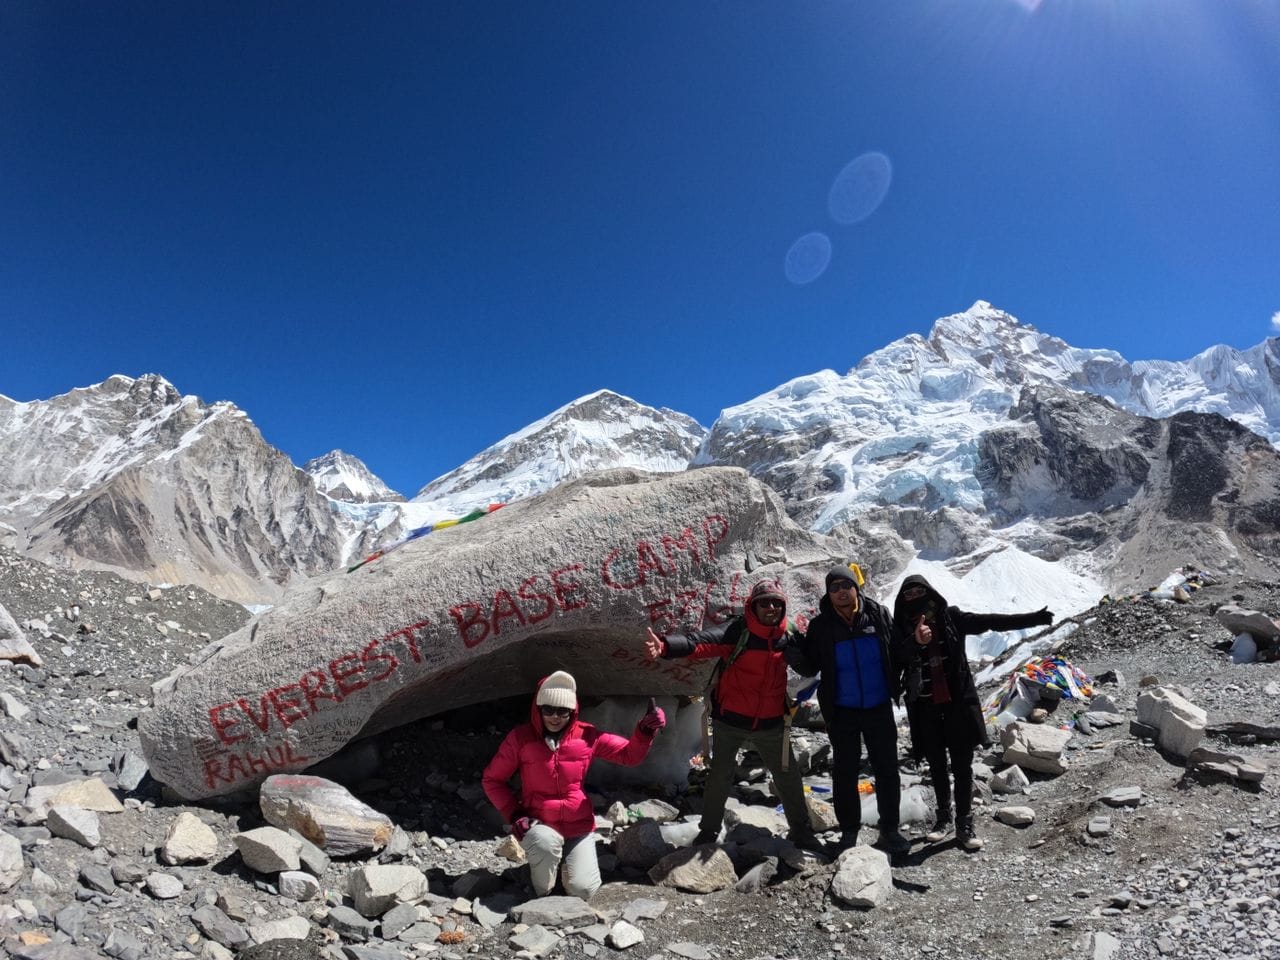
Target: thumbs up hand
<point>653,720</point>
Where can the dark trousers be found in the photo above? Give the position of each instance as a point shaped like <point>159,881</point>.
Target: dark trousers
<point>945,730</point>
<point>848,728</point>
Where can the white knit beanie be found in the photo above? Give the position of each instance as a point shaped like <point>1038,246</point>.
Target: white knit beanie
<point>558,690</point>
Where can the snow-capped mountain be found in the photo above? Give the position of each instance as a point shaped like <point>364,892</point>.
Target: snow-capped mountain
<point>985,454</point>
<point>901,427</point>
<point>903,453</point>
<point>597,432</point>
<point>130,475</point>
<point>341,476</point>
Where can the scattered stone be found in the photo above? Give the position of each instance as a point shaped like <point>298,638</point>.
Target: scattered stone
<point>553,912</point>
<point>1180,722</point>
<point>376,888</point>
<point>1123,797</point>
<point>1099,826</point>
<point>1036,748</point>
<point>624,935</point>
<point>163,886</point>
<point>217,926</point>
<point>863,877</point>
<point>298,885</point>
<point>1016,816</point>
<point>658,810</point>
<point>509,849</point>
<point>188,840</point>
<point>75,823</point>
<point>1011,779</point>
<point>325,813</point>
<point>695,869</point>
<point>268,850</point>
<point>537,941</point>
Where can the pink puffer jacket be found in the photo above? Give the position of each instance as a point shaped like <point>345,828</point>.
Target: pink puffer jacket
<point>551,780</point>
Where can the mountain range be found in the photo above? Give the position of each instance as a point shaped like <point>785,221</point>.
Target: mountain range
<point>984,452</point>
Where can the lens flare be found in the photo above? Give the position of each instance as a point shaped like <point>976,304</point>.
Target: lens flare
<point>808,258</point>
<point>859,188</point>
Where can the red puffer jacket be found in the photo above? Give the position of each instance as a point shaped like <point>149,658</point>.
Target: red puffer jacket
<point>751,692</point>
<point>551,780</point>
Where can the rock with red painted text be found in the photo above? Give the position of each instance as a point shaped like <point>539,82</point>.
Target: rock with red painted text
<point>325,813</point>
<point>479,611</point>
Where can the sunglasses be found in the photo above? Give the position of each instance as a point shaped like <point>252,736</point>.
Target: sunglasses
<point>770,604</point>
<point>840,586</point>
<point>548,711</point>
<point>913,593</point>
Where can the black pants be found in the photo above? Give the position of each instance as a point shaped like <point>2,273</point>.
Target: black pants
<point>848,728</point>
<point>945,731</point>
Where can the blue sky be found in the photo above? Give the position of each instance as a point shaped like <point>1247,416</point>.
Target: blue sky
<point>407,230</point>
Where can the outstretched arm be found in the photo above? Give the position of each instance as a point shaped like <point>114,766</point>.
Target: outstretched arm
<point>982,622</point>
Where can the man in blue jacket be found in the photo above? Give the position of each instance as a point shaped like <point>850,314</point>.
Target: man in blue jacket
<point>848,641</point>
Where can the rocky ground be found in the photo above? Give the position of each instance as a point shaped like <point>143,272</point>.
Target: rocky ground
<point>1193,870</point>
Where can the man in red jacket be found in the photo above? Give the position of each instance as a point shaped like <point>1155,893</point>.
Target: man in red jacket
<point>552,817</point>
<point>748,704</point>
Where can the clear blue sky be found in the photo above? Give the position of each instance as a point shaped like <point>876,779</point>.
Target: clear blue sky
<point>408,229</point>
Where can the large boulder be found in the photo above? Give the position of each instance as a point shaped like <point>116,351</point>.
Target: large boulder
<point>479,611</point>
<point>1180,722</point>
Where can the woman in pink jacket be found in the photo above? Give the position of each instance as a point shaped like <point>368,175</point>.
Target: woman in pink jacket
<point>553,817</point>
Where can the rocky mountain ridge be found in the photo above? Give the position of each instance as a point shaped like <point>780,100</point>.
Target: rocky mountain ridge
<point>908,457</point>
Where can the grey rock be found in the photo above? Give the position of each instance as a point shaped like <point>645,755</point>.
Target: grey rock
<point>623,936</point>
<point>162,886</point>
<point>399,918</point>
<point>97,877</point>
<point>863,877</point>
<point>268,850</point>
<point>217,926</point>
<point>350,925</point>
<point>537,941</point>
<point>553,911</point>
<point>73,823</point>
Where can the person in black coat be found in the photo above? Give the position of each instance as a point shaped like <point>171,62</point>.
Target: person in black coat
<point>943,709</point>
<point>849,643</point>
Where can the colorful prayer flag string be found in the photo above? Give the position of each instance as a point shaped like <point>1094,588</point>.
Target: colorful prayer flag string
<point>422,531</point>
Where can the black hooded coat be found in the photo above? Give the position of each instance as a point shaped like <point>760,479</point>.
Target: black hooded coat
<point>951,625</point>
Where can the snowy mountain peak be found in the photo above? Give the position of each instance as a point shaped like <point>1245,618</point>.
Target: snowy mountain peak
<point>341,476</point>
<point>598,431</point>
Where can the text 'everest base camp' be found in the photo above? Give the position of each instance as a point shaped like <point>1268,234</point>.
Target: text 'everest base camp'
<point>570,577</point>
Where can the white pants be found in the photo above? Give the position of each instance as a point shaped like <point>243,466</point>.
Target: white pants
<point>575,859</point>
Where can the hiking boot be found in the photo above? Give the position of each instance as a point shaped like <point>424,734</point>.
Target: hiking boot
<point>942,827</point>
<point>969,838</point>
<point>848,840</point>
<point>806,840</point>
<point>893,843</point>
<point>704,837</point>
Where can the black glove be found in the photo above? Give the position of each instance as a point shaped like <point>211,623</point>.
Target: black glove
<point>1044,617</point>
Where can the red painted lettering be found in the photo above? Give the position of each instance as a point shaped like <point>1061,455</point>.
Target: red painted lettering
<point>222,724</point>
<point>565,588</point>
<point>714,529</point>
<point>647,560</point>
<point>288,709</point>
<point>341,676</point>
<point>686,542</point>
<point>262,722</point>
<point>315,687</point>
<point>606,572</point>
<point>371,654</point>
<point>524,594</point>
<point>504,608</point>
<point>658,614</point>
<point>472,625</point>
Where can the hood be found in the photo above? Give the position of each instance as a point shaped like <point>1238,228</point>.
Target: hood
<point>535,715</point>
<point>932,604</point>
